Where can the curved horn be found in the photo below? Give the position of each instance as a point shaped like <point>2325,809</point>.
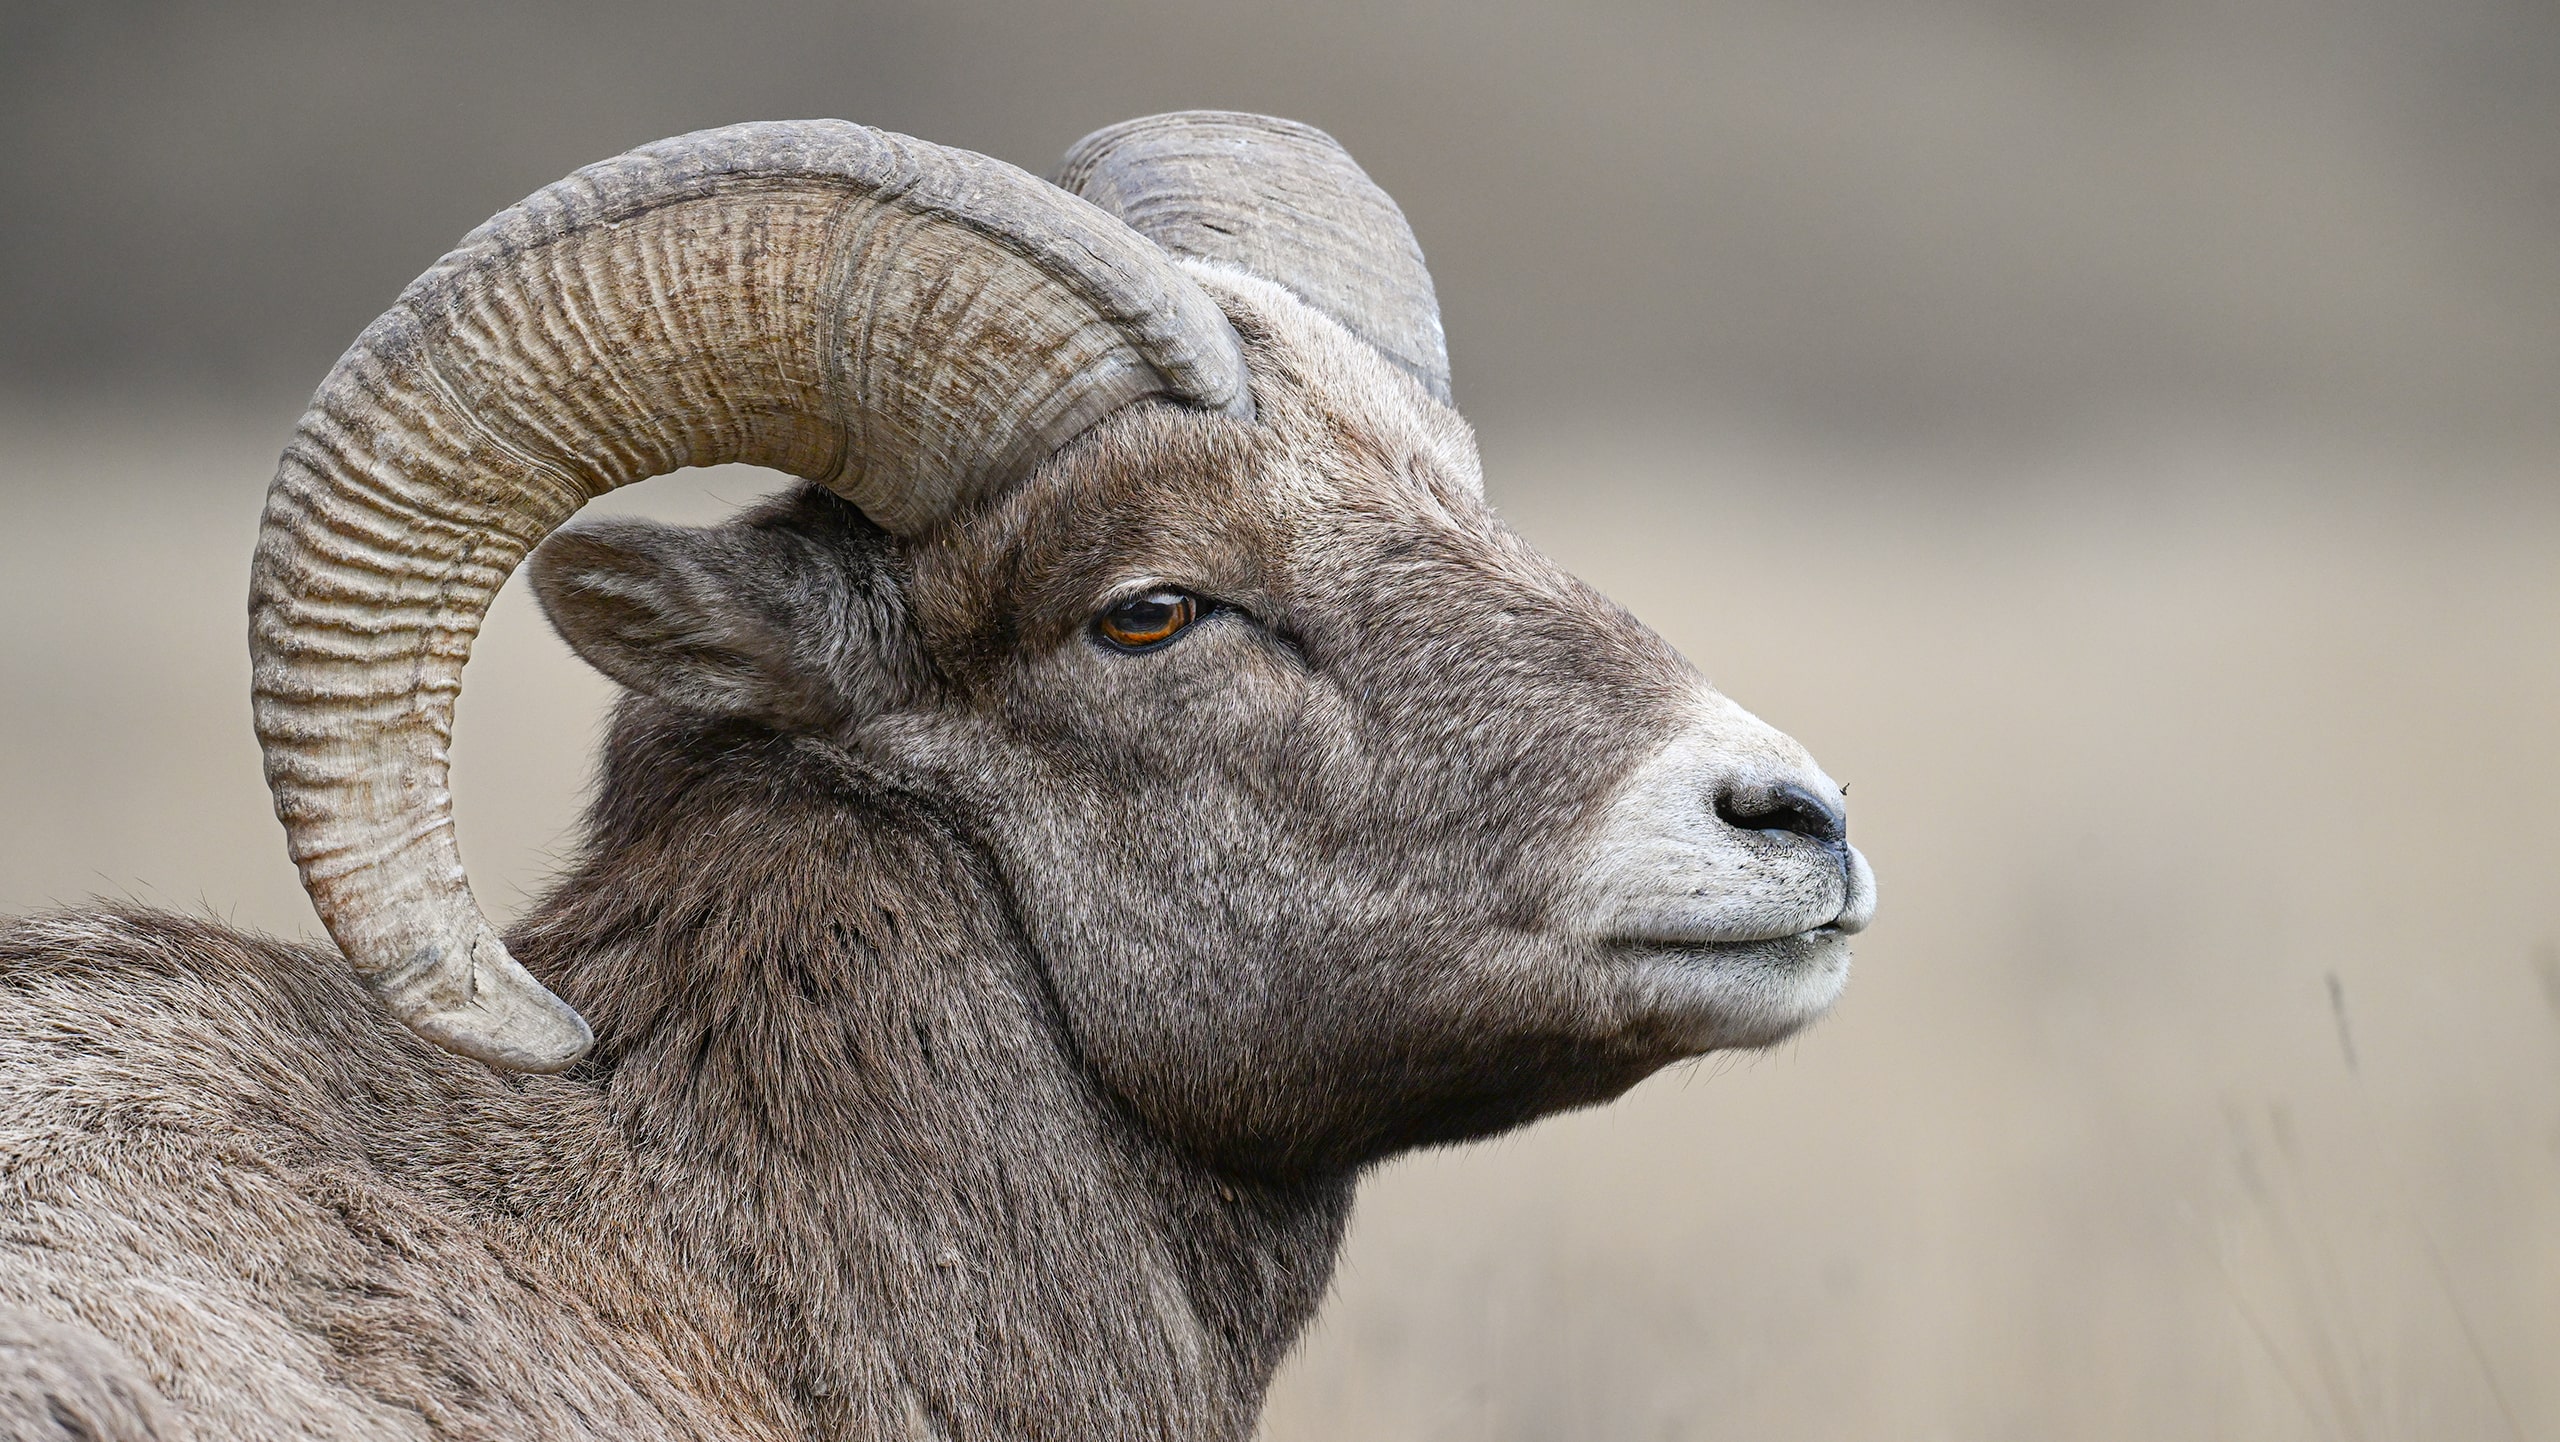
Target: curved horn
<point>1280,200</point>
<point>907,324</point>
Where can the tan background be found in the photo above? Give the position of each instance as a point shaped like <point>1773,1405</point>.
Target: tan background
<point>2120,440</point>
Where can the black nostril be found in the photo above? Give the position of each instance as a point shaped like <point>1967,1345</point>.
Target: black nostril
<point>1783,807</point>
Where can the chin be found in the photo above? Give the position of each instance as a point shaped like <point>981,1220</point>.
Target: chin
<point>1739,995</point>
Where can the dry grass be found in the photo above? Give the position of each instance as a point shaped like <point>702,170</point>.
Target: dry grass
<point>2201,1078</point>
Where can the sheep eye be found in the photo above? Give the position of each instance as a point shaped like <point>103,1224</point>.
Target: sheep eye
<point>1143,623</point>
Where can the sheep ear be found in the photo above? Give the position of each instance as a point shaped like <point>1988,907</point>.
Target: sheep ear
<point>737,621</point>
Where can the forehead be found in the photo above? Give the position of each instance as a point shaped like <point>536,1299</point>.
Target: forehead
<point>1345,452</point>
<point>1345,425</point>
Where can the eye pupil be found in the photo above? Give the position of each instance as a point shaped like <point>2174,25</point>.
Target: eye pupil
<point>1143,616</point>
<point>1142,622</point>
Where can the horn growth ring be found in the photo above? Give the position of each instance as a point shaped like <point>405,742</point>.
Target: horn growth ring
<point>910,325</point>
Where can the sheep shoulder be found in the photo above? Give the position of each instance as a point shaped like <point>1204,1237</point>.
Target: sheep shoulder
<point>231,1193</point>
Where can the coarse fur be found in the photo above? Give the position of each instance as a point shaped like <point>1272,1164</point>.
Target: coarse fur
<point>991,1026</point>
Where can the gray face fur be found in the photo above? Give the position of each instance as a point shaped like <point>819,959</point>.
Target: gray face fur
<point>1410,837</point>
<point>990,1023</point>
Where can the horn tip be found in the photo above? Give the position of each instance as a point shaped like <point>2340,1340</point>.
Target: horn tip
<point>478,1001</point>
<point>544,1040</point>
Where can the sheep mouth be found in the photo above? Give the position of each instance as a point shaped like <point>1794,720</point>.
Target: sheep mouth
<point>1706,948</point>
<point>1731,993</point>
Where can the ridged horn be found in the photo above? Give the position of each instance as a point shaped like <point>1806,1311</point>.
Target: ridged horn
<point>1280,200</point>
<point>906,324</point>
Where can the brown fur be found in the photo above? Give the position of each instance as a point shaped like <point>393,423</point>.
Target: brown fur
<point>991,1027</point>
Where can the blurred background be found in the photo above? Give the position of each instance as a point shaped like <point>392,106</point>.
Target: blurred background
<point>2122,440</point>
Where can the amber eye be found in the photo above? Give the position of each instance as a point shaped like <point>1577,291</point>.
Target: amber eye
<point>1143,623</point>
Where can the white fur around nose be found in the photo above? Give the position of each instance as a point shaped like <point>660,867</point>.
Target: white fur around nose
<point>1664,868</point>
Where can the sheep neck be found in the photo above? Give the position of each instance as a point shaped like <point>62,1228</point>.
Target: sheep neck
<point>845,1092</point>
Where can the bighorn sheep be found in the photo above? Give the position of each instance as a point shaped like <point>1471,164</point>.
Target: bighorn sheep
<point>1036,868</point>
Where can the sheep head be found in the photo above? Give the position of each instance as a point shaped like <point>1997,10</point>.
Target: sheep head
<point>1147,545</point>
